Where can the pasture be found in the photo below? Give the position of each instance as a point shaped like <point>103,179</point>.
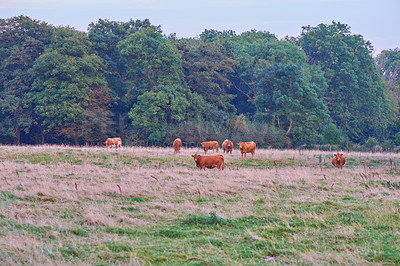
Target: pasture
<point>143,206</point>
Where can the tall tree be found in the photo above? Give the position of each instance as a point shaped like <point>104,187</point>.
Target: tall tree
<point>22,40</point>
<point>156,81</point>
<point>356,95</point>
<point>388,62</point>
<point>65,77</point>
<point>150,59</point>
<point>163,106</point>
<point>207,68</point>
<point>288,94</point>
<point>251,54</point>
<point>105,35</point>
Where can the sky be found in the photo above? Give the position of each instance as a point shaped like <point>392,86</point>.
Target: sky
<point>378,21</point>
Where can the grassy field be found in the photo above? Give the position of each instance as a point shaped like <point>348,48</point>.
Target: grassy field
<point>142,206</point>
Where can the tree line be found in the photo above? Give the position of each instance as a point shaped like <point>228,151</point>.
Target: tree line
<point>127,79</point>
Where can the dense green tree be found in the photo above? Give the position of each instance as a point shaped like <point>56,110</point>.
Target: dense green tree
<point>16,30</point>
<point>332,135</point>
<point>388,62</point>
<point>65,77</point>
<point>288,94</point>
<point>151,61</point>
<point>211,36</point>
<point>156,77</point>
<point>251,54</point>
<point>22,40</point>
<point>105,35</point>
<point>207,69</point>
<point>128,79</point>
<point>356,95</point>
<point>290,101</point>
<point>97,121</point>
<point>163,106</point>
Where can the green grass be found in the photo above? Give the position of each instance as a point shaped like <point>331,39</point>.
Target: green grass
<point>68,205</point>
<point>45,158</point>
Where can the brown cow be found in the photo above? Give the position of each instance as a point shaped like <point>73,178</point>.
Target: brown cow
<point>338,160</point>
<point>227,146</point>
<point>210,161</point>
<point>210,145</point>
<point>111,142</point>
<point>177,145</point>
<point>246,147</point>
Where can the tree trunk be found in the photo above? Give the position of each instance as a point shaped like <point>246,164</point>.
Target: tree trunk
<point>290,126</point>
<point>17,136</point>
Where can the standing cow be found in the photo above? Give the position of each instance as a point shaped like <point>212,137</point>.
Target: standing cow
<point>338,160</point>
<point>246,147</point>
<point>210,161</point>
<point>113,142</point>
<point>227,146</point>
<point>210,145</point>
<point>177,145</point>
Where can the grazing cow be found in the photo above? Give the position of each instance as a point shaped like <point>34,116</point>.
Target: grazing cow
<point>113,142</point>
<point>177,145</point>
<point>338,160</point>
<point>246,147</point>
<point>227,146</point>
<point>210,145</point>
<point>210,161</point>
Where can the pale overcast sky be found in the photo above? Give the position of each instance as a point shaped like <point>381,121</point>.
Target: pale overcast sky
<point>377,20</point>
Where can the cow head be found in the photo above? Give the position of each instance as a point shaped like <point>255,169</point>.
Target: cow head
<point>338,157</point>
<point>202,144</point>
<point>240,144</point>
<point>196,157</point>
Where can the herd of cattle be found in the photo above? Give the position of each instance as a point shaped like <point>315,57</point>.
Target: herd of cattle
<point>212,161</point>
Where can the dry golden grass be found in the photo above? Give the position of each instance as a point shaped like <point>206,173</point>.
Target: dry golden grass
<point>50,193</point>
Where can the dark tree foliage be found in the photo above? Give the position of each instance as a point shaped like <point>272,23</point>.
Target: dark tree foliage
<point>288,96</point>
<point>388,62</point>
<point>126,79</point>
<point>63,92</point>
<point>156,77</point>
<point>356,96</point>
<point>207,69</point>
<point>211,36</point>
<point>251,52</point>
<point>22,41</point>
<point>105,36</point>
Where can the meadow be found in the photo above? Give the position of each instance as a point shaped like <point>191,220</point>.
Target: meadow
<point>146,206</point>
